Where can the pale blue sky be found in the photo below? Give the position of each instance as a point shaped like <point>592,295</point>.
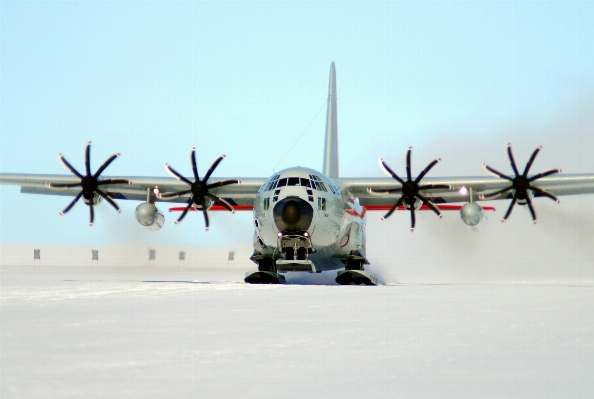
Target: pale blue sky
<point>151,79</point>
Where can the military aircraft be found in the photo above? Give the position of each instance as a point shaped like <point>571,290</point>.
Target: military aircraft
<point>307,220</point>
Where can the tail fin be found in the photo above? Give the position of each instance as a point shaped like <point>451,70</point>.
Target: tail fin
<point>331,144</point>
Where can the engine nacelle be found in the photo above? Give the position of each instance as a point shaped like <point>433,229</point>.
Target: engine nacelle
<point>473,215</point>
<point>149,217</point>
<point>96,198</point>
<point>416,205</point>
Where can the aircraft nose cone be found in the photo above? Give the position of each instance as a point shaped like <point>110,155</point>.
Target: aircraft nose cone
<point>292,215</point>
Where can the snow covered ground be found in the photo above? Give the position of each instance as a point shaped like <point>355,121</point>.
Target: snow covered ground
<point>155,332</point>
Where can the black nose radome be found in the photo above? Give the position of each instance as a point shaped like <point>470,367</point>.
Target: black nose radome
<point>292,214</point>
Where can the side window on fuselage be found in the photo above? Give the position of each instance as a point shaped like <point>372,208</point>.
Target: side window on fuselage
<point>266,203</point>
<point>321,204</point>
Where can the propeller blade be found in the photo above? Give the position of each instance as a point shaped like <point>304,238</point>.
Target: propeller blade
<point>57,186</point>
<point>435,187</point>
<point>221,201</point>
<point>545,193</point>
<point>412,219</point>
<point>496,173</point>
<point>408,171</point>
<point>194,167</point>
<point>430,204</point>
<point>427,169</point>
<point>532,157</point>
<point>113,181</point>
<point>511,159</point>
<point>213,167</point>
<point>531,208</point>
<point>544,174</point>
<point>105,165</point>
<point>173,195</point>
<point>107,198</point>
<point>71,203</point>
<point>389,171</point>
<point>92,212</point>
<point>181,217</point>
<point>495,194</point>
<point>205,213</point>
<point>65,163</point>
<point>396,205</point>
<point>174,173</point>
<point>222,183</point>
<point>88,159</point>
<point>511,206</point>
<point>381,193</point>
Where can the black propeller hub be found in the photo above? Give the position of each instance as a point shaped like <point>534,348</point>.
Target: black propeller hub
<point>199,191</point>
<point>410,189</point>
<point>521,185</point>
<point>89,184</point>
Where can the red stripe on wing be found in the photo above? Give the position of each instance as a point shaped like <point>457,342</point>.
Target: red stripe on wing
<point>214,208</point>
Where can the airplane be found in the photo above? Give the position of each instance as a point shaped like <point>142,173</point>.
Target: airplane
<point>307,220</point>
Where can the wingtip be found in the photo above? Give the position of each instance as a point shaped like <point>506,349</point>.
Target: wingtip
<point>502,220</point>
<point>193,148</point>
<point>61,213</point>
<point>409,147</point>
<point>224,156</point>
<point>176,222</point>
<point>118,154</point>
<point>90,224</point>
<point>89,142</point>
<point>534,222</point>
<point>412,230</point>
<point>440,216</point>
<point>206,228</point>
<point>508,144</point>
<point>382,219</point>
<point>119,211</point>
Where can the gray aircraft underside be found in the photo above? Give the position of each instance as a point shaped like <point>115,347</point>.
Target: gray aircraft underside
<point>306,220</point>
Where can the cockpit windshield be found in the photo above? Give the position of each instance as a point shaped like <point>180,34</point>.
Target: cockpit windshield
<point>314,182</point>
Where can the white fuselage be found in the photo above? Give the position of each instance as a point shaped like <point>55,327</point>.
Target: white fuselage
<point>332,232</point>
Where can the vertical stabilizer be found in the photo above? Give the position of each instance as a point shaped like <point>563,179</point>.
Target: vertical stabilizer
<point>331,144</point>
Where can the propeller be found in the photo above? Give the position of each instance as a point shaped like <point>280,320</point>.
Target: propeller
<point>410,188</point>
<point>89,183</point>
<point>520,184</point>
<point>199,188</point>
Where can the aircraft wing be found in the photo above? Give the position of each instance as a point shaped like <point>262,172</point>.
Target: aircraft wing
<point>235,194</point>
<point>559,185</point>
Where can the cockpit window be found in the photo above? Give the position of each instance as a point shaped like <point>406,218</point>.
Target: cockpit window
<point>320,186</point>
<point>304,182</point>
<point>282,182</point>
<point>293,181</point>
